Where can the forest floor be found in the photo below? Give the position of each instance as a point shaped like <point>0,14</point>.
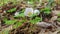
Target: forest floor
<point>41,32</point>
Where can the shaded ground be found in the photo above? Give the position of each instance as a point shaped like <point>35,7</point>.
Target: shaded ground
<point>33,29</point>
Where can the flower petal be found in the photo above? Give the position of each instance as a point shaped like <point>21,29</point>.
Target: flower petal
<point>28,11</point>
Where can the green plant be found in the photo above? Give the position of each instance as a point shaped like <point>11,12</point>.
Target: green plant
<point>9,22</point>
<point>58,15</point>
<point>4,31</point>
<point>46,10</point>
<point>1,4</point>
<point>19,23</point>
<point>37,19</point>
<point>21,14</point>
<point>12,10</point>
<point>58,19</point>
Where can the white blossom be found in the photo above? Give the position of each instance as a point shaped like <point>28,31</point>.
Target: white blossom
<point>28,12</point>
<point>36,12</point>
<point>4,11</point>
<point>17,13</point>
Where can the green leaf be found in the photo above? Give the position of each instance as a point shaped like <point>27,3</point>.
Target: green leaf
<point>12,10</point>
<point>19,23</point>
<point>23,10</point>
<point>9,22</point>
<point>1,4</point>
<point>20,15</point>
<point>6,32</point>
<point>46,10</point>
<point>58,19</point>
<point>58,15</point>
<point>33,15</point>
<point>34,21</point>
<point>4,19</point>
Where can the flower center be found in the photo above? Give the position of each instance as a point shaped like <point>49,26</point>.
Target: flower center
<point>29,13</point>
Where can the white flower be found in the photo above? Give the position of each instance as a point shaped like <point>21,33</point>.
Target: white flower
<point>36,12</point>
<point>4,11</point>
<point>28,12</point>
<point>17,13</point>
